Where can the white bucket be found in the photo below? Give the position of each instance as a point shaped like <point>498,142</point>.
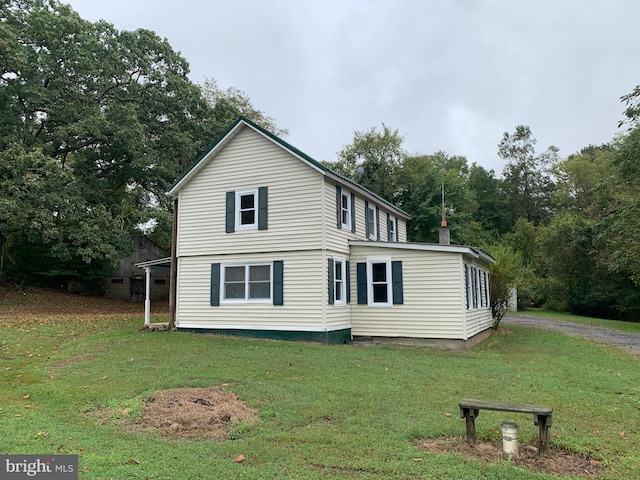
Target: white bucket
<point>510,438</point>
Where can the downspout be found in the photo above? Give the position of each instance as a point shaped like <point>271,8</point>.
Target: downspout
<point>173,284</point>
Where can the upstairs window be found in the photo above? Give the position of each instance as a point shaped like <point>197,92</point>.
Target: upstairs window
<point>345,209</point>
<point>345,202</point>
<point>246,210</point>
<point>392,229</point>
<point>371,222</point>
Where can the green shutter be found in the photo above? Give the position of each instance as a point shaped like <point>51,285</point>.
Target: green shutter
<point>262,208</point>
<point>466,285</point>
<point>339,205</point>
<point>396,278</point>
<point>361,281</point>
<point>366,219</point>
<point>377,224</point>
<point>278,282</point>
<point>353,213</point>
<point>348,280</point>
<point>388,227</point>
<point>215,285</point>
<point>331,283</point>
<point>231,212</point>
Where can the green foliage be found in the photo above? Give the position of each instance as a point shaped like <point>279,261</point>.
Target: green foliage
<point>229,104</point>
<point>95,124</point>
<point>420,182</point>
<point>618,231</point>
<point>377,156</point>
<point>528,184</point>
<point>510,271</point>
<point>492,211</point>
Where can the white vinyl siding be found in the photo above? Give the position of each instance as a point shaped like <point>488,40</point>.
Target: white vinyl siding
<point>248,161</point>
<point>433,296</point>
<point>303,306</point>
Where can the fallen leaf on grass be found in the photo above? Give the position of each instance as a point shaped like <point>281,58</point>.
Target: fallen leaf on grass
<point>418,459</point>
<point>621,434</point>
<point>239,459</point>
<point>27,396</point>
<point>448,415</point>
<point>133,461</point>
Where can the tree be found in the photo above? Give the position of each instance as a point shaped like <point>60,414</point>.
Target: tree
<point>618,210</point>
<point>509,271</point>
<point>229,104</point>
<point>492,212</point>
<point>528,183</point>
<point>114,115</point>
<point>579,175</point>
<point>419,185</point>
<point>373,160</point>
<point>632,112</point>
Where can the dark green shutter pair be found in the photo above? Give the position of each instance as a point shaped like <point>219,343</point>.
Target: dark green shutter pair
<point>396,283</point>
<point>332,284</point>
<point>278,283</point>
<point>230,217</point>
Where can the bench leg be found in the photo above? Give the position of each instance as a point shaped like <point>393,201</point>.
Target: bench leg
<point>543,444</point>
<point>470,415</point>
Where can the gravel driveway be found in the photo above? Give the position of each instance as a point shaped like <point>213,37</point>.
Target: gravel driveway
<point>625,340</point>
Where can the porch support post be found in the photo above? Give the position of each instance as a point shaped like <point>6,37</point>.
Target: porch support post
<point>147,300</point>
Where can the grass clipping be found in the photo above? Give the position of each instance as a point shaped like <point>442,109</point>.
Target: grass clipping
<point>196,413</point>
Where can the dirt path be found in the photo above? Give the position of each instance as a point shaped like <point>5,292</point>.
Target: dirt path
<point>625,340</point>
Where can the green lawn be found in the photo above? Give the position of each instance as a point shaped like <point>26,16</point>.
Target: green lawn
<point>325,411</point>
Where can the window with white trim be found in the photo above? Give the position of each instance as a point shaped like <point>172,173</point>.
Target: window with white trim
<point>392,229</point>
<point>247,210</point>
<point>477,287</point>
<point>372,224</point>
<point>339,280</point>
<point>246,283</point>
<point>345,209</point>
<point>379,285</point>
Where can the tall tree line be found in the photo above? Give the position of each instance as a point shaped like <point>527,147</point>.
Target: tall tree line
<point>564,230</point>
<point>95,124</point>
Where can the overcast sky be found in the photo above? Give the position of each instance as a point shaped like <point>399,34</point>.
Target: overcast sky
<point>450,75</point>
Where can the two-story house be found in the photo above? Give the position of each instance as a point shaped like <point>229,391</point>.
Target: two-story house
<point>272,243</point>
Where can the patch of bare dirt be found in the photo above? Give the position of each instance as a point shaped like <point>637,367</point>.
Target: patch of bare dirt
<point>192,413</point>
<point>559,462</point>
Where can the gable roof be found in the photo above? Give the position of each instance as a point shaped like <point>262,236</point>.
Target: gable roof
<point>242,123</point>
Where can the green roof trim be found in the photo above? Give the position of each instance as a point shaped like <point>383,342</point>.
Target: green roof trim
<point>287,146</point>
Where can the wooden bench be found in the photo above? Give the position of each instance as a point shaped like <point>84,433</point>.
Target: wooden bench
<point>470,409</point>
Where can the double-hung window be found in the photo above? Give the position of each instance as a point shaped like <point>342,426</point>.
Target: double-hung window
<point>372,224</point>
<point>345,209</point>
<point>246,283</point>
<point>379,276</point>
<point>247,209</point>
<point>392,229</point>
<point>339,280</point>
